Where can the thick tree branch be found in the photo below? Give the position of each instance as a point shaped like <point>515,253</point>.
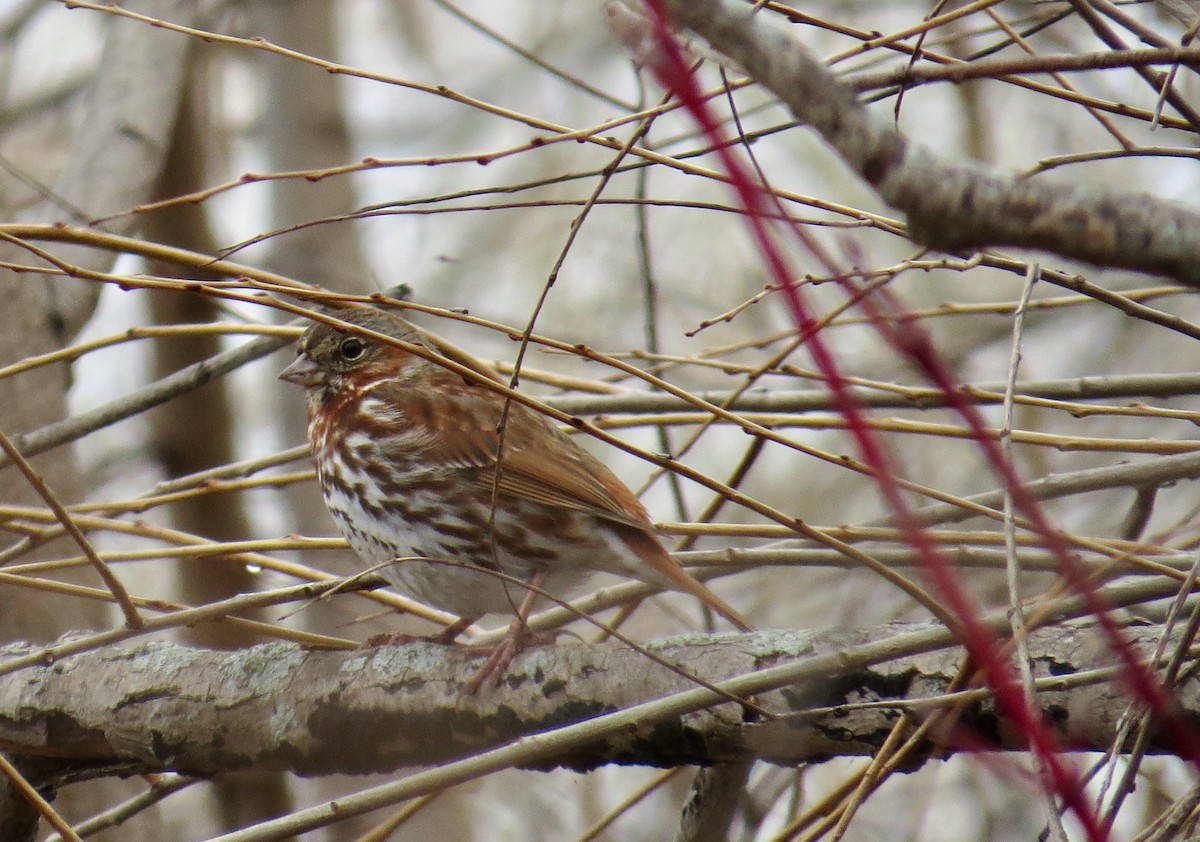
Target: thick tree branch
<point>163,707</point>
<point>952,207</point>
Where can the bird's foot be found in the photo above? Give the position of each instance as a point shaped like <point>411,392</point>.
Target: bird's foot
<point>517,639</point>
<point>445,637</point>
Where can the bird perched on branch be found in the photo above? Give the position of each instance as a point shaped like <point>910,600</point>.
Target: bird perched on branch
<point>416,462</point>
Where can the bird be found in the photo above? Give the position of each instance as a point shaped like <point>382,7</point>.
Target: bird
<point>442,482</point>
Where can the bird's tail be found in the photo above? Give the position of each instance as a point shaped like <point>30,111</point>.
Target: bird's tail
<point>667,570</point>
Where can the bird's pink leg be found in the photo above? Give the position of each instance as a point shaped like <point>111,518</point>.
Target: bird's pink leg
<point>514,640</point>
<point>448,634</point>
<point>445,637</point>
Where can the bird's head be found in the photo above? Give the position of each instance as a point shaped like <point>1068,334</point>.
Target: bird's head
<point>335,359</point>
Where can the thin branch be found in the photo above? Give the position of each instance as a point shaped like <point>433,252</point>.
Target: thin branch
<point>133,620</point>
<point>31,795</point>
<point>912,76</point>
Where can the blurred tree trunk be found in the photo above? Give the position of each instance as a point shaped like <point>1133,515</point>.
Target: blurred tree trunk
<point>305,128</point>
<point>183,447</point>
<point>114,159</point>
<point>180,445</point>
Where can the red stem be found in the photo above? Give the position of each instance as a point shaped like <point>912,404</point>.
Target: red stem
<point>675,75</point>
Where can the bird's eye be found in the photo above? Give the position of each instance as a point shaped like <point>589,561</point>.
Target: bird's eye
<point>351,348</point>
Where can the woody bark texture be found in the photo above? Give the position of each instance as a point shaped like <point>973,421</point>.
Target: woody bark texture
<point>161,706</point>
<point>953,207</point>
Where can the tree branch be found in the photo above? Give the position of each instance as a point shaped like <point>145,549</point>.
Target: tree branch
<point>161,706</point>
<point>951,207</point>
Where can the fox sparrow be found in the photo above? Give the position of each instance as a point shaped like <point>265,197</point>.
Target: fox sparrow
<point>413,466</point>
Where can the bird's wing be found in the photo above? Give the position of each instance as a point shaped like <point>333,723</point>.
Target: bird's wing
<point>557,475</point>
<point>539,462</point>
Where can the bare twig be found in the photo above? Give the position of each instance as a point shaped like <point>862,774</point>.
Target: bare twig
<point>133,620</point>
<point>29,792</point>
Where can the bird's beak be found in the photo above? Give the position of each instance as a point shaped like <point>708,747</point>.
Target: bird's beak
<point>303,371</point>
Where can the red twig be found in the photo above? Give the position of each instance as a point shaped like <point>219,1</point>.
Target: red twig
<point>673,72</point>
